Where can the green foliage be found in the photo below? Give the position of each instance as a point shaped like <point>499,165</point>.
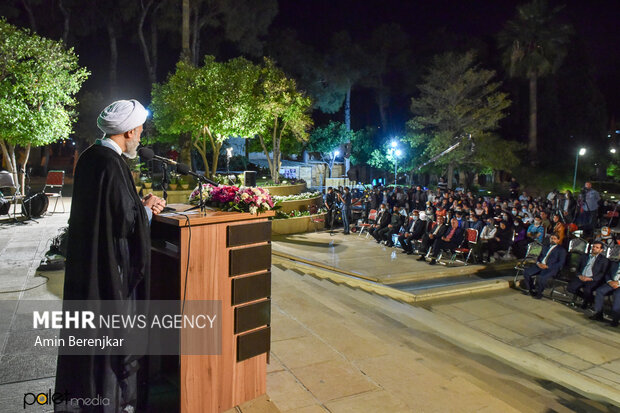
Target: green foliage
<point>39,78</point>
<point>385,157</point>
<point>326,139</point>
<point>282,111</point>
<point>211,102</point>
<point>362,145</point>
<point>459,100</point>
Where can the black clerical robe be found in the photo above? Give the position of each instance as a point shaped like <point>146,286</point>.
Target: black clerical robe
<point>108,258</point>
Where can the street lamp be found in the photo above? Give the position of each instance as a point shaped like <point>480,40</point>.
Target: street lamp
<point>612,150</point>
<point>581,152</point>
<point>394,152</point>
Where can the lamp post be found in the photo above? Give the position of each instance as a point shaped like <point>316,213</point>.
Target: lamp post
<point>581,152</point>
<point>395,153</point>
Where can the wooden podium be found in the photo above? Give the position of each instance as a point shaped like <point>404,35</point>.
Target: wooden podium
<point>224,256</point>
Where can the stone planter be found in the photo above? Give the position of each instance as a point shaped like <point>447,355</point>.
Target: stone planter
<point>175,197</point>
<point>284,190</point>
<point>297,225</point>
<point>301,205</point>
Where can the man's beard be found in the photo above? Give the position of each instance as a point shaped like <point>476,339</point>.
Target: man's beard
<point>131,148</point>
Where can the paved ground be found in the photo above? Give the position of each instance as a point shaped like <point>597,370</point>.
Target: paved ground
<point>340,349</point>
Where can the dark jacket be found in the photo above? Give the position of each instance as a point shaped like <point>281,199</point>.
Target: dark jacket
<point>383,219</point>
<point>396,220</point>
<point>419,228</point>
<point>599,268</point>
<point>555,261</point>
<point>612,269</point>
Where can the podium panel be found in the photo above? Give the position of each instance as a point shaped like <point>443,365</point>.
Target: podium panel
<point>218,256</point>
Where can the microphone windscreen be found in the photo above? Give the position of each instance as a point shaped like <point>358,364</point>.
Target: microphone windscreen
<point>146,153</point>
<point>182,169</point>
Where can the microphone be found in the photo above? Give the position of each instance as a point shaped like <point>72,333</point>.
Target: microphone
<point>148,154</point>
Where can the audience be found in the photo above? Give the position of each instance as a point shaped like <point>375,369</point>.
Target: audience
<point>450,241</point>
<point>415,231</point>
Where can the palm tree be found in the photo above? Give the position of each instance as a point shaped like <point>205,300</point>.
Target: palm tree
<point>534,45</point>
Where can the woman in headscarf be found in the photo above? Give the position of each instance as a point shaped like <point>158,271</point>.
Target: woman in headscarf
<point>501,241</point>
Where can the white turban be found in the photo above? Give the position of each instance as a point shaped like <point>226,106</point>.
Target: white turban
<point>122,116</point>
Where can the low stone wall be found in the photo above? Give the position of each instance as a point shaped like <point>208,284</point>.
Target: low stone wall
<point>298,225</point>
<point>284,190</point>
<point>301,205</point>
<point>174,197</point>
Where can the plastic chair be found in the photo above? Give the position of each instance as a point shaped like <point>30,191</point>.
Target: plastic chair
<point>372,216</point>
<point>471,239</point>
<point>53,187</point>
<point>534,249</point>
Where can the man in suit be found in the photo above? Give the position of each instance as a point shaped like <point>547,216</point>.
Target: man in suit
<point>450,241</point>
<point>591,274</point>
<point>611,286</point>
<point>417,228</point>
<point>382,221</point>
<point>396,221</point>
<point>548,265</point>
<point>429,238</point>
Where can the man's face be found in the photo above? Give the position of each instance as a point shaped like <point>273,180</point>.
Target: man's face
<point>554,240</point>
<point>588,185</point>
<point>596,249</point>
<point>537,222</point>
<point>132,142</point>
<point>543,215</point>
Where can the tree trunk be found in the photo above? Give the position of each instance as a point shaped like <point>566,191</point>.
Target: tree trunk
<point>22,175</point>
<point>195,44</point>
<point>28,7</point>
<point>185,53</point>
<point>113,70</point>
<point>66,20</point>
<point>145,49</point>
<point>347,122</point>
<point>450,175</point>
<point>533,133</point>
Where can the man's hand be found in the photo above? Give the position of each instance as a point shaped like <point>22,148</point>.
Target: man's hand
<point>585,279</point>
<point>542,266</point>
<point>156,203</point>
<point>614,284</point>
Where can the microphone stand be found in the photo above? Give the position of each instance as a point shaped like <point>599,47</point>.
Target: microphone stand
<point>165,181</point>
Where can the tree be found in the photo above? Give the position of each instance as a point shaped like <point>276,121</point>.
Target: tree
<point>534,45</point>
<point>458,100</point>
<point>283,112</point>
<point>325,140</point>
<point>38,81</point>
<point>211,103</point>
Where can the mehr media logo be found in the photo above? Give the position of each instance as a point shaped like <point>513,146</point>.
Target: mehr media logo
<point>50,398</point>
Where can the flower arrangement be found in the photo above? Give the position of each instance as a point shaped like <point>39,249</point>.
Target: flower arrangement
<point>233,198</point>
<point>299,197</point>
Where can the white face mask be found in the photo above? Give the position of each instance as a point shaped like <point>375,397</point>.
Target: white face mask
<point>415,217</point>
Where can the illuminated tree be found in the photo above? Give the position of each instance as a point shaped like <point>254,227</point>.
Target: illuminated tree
<point>39,78</point>
<point>211,103</point>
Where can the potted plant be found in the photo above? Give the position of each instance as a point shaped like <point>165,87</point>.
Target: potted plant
<point>174,181</point>
<point>147,181</point>
<point>184,183</point>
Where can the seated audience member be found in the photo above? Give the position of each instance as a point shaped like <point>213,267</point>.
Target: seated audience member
<point>429,238</point>
<point>519,245</point>
<point>546,223</point>
<point>382,221</point>
<point>417,228</point>
<point>487,233</point>
<point>475,223</point>
<point>590,274</point>
<point>451,240</point>
<point>396,221</point>
<point>611,286</point>
<point>501,241</point>
<point>548,265</point>
<point>559,228</point>
<point>536,232</point>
